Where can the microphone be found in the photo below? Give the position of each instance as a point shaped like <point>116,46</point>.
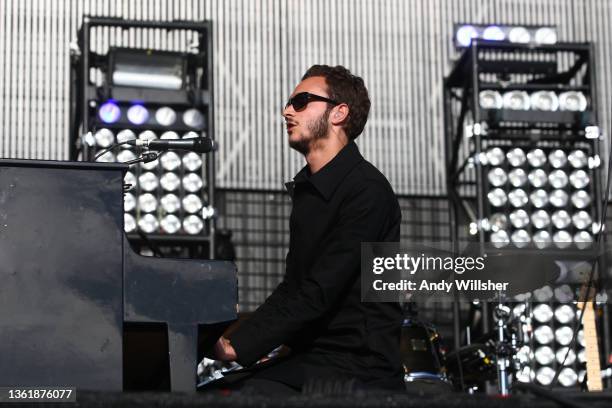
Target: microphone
<point>198,144</point>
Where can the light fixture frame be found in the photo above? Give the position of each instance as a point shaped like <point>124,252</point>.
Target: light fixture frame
<point>92,85</point>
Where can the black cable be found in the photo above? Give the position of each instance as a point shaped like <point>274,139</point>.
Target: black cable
<point>591,272</point>
<point>108,149</point>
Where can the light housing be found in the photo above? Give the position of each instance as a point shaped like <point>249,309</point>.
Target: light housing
<point>507,33</point>
<point>147,68</point>
<point>109,112</point>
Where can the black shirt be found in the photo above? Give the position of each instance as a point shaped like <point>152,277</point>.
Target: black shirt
<point>317,310</point>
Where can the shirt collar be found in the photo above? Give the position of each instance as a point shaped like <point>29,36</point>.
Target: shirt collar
<point>327,179</point>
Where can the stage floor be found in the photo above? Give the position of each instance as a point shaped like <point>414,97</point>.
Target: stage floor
<point>359,399</point>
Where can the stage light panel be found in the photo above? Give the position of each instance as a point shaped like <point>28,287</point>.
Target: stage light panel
<point>497,177</point>
<point>465,34</point>
<point>192,203</point>
<point>137,114</point>
<point>191,135</point>
<point>519,35</point>
<point>579,179</point>
<point>568,377</point>
<point>545,375</point>
<point>538,178</point>
<point>104,137</point>
<point>125,156</point>
<point>109,112</point>
<point>562,239</point>
<point>192,182</point>
<point>519,218</point>
<point>169,135</point>
<point>563,335</point>
<point>564,314</point>
<point>497,197</point>
<point>193,224</point>
<point>516,157</point>
<point>582,220</point>
<point>540,219</point>
<point>561,219</point>
<point>193,118</point>
<point>495,156</point>
<point>536,158</point>
<point>165,116</point>
<point>129,223</point>
<point>170,181</point>
<point>577,159</point>
<point>583,240</point>
<point>500,239</point>
<point>148,223</point>
<point>544,355</point>
<point>542,239</point>
<point>170,224</point>
<point>170,203</point>
<point>493,33</point>
<point>129,178</point>
<point>170,161</point>
<point>546,35</point>
<point>544,101</point>
<point>543,313</point>
<point>489,99</point>
<point>572,101</point>
<point>539,198</point>
<point>148,181</point>
<point>557,158</point>
<point>558,198</point>
<point>108,157</point>
<point>516,100</point>
<point>192,161</point>
<point>518,198</point>
<point>558,178</point>
<point>125,135</point>
<point>517,177</point>
<point>129,202</point>
<point>516,34</point>
<point>520,238</point>
<point>543,335</point>
<point>147,202</point>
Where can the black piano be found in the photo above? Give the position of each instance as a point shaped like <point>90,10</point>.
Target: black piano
<point>69,282</point>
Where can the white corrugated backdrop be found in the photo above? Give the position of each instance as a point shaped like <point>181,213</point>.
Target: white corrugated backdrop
<point>402,48</point>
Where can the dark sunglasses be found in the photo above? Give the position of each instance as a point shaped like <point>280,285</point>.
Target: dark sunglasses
<point>302,99</point>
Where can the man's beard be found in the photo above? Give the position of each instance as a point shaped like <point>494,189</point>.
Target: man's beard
<point>317,129</point>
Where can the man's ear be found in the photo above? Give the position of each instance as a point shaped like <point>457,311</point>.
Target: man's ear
<point>340,114</point>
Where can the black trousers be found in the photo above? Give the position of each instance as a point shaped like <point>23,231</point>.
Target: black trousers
<point>262,386</point>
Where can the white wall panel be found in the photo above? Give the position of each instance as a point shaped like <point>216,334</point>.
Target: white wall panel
<point>261,48</point>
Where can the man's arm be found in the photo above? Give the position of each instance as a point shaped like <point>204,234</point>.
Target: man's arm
<point>365,215</point>
<point>223,349</point>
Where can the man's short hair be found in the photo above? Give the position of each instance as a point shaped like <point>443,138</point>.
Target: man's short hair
<point>345,87</point>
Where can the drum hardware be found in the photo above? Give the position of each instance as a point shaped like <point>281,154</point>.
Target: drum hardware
<point>421,353</point>
<point>477,361</point>
<point>503,349</point>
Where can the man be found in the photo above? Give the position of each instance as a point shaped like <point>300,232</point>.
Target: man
<point>339,201</point>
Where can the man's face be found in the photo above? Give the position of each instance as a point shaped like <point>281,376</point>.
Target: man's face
<point>311,123</point>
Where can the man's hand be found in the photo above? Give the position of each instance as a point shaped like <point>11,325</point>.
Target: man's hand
<point>224,350</point>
